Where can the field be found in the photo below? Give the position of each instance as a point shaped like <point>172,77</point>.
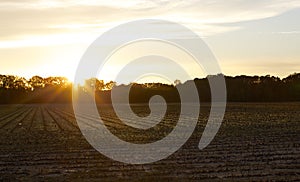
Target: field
<point>256,142</point>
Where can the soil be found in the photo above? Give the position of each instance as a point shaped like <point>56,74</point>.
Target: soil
<point>256,142</point>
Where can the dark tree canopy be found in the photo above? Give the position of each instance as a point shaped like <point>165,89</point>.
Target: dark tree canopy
<point>14,89</point>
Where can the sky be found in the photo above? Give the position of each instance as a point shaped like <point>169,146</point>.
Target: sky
<point>250,37</point>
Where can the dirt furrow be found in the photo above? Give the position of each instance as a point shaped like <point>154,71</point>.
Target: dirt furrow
<point>12,114</point>
<point>37,123</point>
<point>49,123</point>
<point>21,123</point>
<point>32,119</point>
<point>71,124</point>
<point>8,122</point>
<point>255,143</point>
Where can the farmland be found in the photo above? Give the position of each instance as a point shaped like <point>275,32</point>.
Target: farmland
<point>255,142</point>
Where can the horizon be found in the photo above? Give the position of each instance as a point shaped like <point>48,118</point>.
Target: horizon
<point>168,83</point>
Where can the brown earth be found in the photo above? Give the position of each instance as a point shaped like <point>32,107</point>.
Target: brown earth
<point>256,142</point>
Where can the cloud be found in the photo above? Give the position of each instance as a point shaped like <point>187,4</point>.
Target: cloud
<point>23,21</point>
<point>288,32</point>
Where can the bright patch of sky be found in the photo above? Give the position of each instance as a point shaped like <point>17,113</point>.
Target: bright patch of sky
<point>48,38</point>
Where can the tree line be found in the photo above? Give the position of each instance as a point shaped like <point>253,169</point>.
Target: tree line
<point>18,90</point>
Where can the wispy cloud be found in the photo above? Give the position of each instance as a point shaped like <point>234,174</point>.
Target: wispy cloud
<point>23,21</point>
<point>289,32</point>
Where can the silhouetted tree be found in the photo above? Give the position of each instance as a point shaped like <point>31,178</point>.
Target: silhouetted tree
<point>242,88</point>
<point>37,82</point>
